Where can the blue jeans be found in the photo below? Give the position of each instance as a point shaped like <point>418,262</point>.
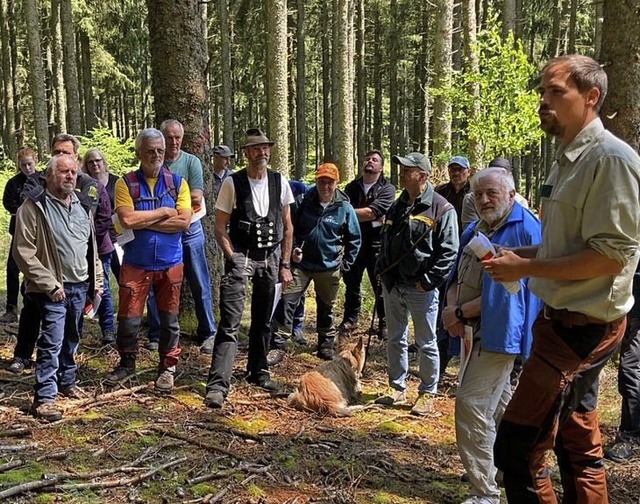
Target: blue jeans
<point>106,316</point>
<point>58,343</point>
<point>196,271</point>
<point>402,301</point>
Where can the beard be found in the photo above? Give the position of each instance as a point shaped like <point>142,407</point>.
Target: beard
<point>549,123</point>
<point>494,215</point>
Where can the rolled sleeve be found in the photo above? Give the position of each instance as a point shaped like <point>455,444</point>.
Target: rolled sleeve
<point>610,224</point>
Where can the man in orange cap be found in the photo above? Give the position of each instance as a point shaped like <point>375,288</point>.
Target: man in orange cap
<point>326,241</point>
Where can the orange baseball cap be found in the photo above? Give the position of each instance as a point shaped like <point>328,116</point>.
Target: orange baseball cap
<point>328,170</point>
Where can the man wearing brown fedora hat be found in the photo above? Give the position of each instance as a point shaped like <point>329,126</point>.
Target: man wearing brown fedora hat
<point>253,228</point>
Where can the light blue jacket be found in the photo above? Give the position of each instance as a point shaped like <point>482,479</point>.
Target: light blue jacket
<point>506,319</point>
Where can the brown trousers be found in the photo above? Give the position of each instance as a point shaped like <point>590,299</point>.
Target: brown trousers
<point>549,411</point>
<point>135,284</point>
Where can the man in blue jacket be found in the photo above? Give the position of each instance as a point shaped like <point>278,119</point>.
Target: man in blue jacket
<point>501,324</point>
<point>326,243</point>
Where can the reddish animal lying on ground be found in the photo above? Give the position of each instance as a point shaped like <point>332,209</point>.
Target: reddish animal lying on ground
<point>333,386</point>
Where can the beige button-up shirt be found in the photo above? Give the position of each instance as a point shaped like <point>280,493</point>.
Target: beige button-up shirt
<point>591,199</point>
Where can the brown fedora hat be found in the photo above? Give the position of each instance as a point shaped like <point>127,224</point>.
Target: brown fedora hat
<point>255,136</point>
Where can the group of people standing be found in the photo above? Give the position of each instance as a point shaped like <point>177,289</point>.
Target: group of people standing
<point>554,294</point>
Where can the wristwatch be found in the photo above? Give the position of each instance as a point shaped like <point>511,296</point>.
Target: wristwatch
<point>459,315</point>
<point>285,265</point>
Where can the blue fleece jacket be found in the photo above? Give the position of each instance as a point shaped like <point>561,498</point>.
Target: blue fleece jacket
<point>506,319</point>
<point>330,237</point>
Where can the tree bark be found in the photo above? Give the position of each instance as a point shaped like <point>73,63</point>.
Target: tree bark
<point>620,49</point>
<point>345,90</point>
<point>277,96</point>
<point>9,132</point>
<point>326,85</point>
<point>37,76</point>
<point>442,79</point>
<point>74,122</point>
<point>228,125</point>
<point>301,94</point>
<point>87,84</point>
<point>57,75</point>
<point>361,86</point>
<point>377,77</point>
<point>394,112</point>
<point>471,64</point>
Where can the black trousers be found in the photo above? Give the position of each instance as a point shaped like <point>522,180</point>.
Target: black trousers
<point>366,260</point>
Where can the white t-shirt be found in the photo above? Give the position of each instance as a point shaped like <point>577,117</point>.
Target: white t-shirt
<point>367,187</point>
<point>259,192</point>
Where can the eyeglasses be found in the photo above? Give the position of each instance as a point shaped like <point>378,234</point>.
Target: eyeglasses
<point>150,152</point>
<point>95,161</point>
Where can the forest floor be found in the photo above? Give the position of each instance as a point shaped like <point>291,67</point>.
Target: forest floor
<point>132,445</point>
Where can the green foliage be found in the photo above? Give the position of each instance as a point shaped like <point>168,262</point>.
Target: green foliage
<point>506,122</point>
<point>120,154</point>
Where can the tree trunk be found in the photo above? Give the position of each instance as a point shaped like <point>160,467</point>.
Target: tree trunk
<point>509,18</point>
<point>597,37</point>
<point>227,80</point>
<point>377,77</point>
<point>37,76</point>
<point>87,83</point>
<point>394,111</point>
<point>301,94</point>
<point>344,104</point>
<point>620,49</point>
<point>326,85</point>
<point>573,16</point>
<point>9,132</point>
<point>471,64</point>
<point>553,47</point>
<point>277,97</point>
<point>361,79</point>
<point>335,82</point>
<point>57,75</point>
<point>442,79</point>
<point>74,122</point>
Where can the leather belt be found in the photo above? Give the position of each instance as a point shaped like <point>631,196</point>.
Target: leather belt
<point>570,319</point>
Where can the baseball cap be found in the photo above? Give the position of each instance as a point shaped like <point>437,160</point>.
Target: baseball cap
<point>459,160</point>
<point>416,159</point>
<point>500,162</point>
<point>223,151</point>
<point>328,170</point>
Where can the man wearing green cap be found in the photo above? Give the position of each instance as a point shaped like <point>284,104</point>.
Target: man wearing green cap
<point>419,247</point>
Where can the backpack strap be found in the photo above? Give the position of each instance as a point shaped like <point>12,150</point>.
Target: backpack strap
<point>131,179</point>
<point>170,182</point>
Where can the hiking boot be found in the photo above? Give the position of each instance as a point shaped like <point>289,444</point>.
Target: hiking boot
<point>392,397</point>
<point>11,316</point>
<point>207,345</point>
<point>108,337</point>
<point>214,399</point>
<point>73,392</point>
<point>622,451</point>
<point>326,353</point>
<point>126,368</point>
<point>346,327</point>
<point>275,356</point>
<point>423,406</point>
<point>18,365</point>
<point>164,383</point>
<point>152,346</point>
<point>267,385</point>
<point>47,411</point>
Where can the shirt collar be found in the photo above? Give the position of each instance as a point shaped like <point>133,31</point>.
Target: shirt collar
<point>583,139</point>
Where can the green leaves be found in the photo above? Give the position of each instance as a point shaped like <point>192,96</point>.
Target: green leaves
<point>506,120</point>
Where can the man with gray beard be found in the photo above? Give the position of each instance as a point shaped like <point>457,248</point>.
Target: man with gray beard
<point>501,325</point>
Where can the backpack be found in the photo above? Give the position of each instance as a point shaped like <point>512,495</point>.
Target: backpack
<point>131,179</point>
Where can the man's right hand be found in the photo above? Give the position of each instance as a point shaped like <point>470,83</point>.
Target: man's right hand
<point>58,295</point>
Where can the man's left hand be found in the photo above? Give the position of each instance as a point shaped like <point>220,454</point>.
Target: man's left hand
<point>505,267</point>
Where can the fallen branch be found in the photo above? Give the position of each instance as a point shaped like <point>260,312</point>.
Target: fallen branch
<point>25,431</point>
<point>26,487</point>
<point>20,462</point>
<point>103,398</point>
<point>200,444</point>
<point>15,448</point>
<point>121,482</point>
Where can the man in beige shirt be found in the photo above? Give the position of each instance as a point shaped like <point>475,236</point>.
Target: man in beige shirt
<point>583,272</point>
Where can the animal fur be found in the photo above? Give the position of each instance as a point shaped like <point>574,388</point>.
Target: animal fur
<point>333,386</point>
